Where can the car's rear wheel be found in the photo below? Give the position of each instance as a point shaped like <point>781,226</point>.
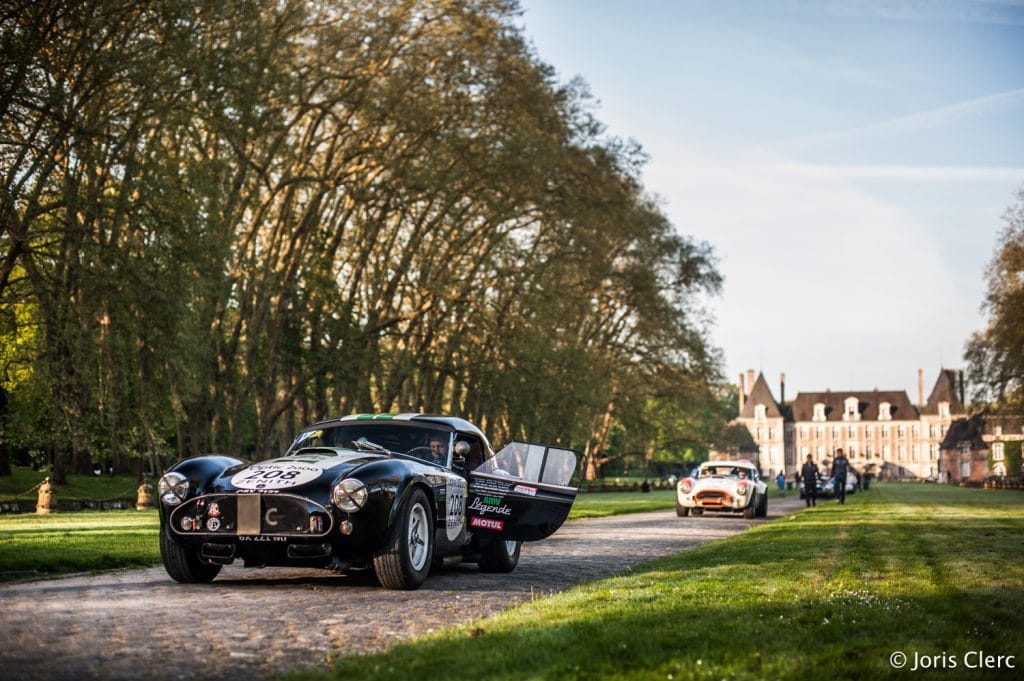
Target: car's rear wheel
<point>762,507</point>
<point>500,556</point>
<point>184,564</point>
<point>404,560</point>
<point>682,511</point>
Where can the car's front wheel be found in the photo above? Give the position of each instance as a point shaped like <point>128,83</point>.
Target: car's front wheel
<point>500,556</point>
<point>750,510</point>
<point>682,511</point>
<point>184,564</point>
<point>404,560</point>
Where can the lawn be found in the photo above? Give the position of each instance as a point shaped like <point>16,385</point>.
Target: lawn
<point>78,487</point>
<point>41,545</point>
<point>834,591</point>
<point>600,504</point>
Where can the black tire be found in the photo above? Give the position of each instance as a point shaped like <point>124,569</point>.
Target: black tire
<point>697,511</point>
<point>500,556</point>
<point>682,511</point>
<point>404,560</point>
<point>184,564</point>
<point>762,507</point>
<point>751,510</point>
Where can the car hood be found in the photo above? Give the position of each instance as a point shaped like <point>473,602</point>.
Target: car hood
<point>309,468</point>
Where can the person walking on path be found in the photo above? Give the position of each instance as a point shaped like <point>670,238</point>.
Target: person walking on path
<point>809,474</point>
<point>840,467</point>
<point>780,481</point>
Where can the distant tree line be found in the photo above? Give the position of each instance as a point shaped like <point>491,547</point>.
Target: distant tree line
<point>223,219</point>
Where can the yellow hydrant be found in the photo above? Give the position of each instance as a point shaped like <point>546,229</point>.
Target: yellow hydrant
<point>144,500</point>
<point>47,501</point>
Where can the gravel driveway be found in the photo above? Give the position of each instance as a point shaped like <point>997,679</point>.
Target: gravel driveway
<point>138,624</point>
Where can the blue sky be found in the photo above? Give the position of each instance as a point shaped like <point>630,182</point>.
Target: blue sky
<point>849,161</point>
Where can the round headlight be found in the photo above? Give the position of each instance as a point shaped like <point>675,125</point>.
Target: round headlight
<point>173,488</point>
<point>685,485</point>
<point>741,488</point>
<point>349,495</point>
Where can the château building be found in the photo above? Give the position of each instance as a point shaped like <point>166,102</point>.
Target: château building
<point>880,430</point>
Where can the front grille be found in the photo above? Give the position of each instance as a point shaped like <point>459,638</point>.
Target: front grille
<point>251,514</point>
<point>712,498</point>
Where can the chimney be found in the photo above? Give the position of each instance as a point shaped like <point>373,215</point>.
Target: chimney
<point>920,387</point>
<point>782,389</point>
<point>742,392</point>
<point>750,380</point>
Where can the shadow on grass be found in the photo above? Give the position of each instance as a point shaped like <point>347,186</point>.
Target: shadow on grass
<point>842,634</point>
<point>829,593</point>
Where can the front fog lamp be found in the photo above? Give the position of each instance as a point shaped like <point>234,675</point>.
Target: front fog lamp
<point>349,495</point>
<point>173,488</point>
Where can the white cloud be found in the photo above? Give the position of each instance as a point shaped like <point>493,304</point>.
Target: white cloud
<point>907,172</point>
<point>931,119</point>
<point>824,281</point>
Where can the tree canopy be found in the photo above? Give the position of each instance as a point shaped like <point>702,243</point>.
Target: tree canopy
<point>223,220</point>
<point>995,355</point>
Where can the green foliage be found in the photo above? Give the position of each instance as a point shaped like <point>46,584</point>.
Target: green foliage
<point>234,218</point>
<point>829,592</point>
<point>995,355</point>
<point>1014,457</point>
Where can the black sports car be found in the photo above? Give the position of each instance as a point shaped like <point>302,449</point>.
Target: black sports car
<point>398,492</point>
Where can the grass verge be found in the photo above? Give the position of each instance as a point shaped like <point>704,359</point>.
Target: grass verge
<point>601,504</point>
<point>833,591</point>
<point>45,545</point>
<point>78,487</point>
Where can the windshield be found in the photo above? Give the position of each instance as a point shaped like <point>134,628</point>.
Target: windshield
<point>423,442</point>
<point>725,471</point>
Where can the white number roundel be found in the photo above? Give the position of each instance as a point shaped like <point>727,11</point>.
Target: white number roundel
<point>275,475</point>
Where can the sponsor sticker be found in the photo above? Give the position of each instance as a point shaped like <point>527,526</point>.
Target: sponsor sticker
<point>489,505</point>
<point>214,510</point>
<point>489,487</point>
<point>213,524</point>
<point>487,523</point>
<point>525,489</point>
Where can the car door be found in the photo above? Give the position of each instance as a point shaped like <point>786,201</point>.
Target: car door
<point>524,492</point>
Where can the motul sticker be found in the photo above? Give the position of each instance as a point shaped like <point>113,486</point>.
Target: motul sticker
<point>487,524</point>
<point>523,489</point>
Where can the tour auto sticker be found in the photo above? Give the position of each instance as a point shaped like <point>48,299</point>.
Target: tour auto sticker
<point>281,474</point>
<point>455,500</point>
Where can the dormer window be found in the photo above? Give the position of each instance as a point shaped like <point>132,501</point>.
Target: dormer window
<point>850,409</point>
<point>884,412</point>
<point>819,412</point>
<point>760,412</point>
<point>943,410</point>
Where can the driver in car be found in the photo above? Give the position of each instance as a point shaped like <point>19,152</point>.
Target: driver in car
<point>439,449</point>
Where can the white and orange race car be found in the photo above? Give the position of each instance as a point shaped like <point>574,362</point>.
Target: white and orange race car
<point>726,486</point>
